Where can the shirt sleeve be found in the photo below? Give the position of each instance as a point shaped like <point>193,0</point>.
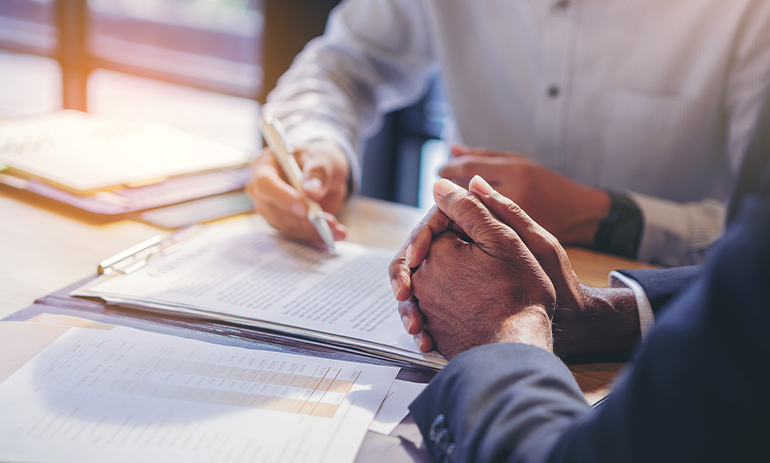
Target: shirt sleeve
<point>676,233</point>
<point>679,234</point>
<point>375,56</point>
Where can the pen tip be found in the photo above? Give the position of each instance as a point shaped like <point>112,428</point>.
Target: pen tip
<point>325,232</point>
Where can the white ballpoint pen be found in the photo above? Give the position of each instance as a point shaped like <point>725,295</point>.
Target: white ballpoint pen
<point>284,154</point>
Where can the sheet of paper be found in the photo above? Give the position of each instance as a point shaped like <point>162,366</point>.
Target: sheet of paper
<point>20,342</point>
<point>255,275</point>
<point>396,406</point>
<point>125,395</point>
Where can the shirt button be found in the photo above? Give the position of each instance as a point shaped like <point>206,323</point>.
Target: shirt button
<point>553,91</point>
<point>563,4</point>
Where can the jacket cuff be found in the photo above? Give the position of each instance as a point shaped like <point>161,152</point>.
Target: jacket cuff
<point>660,285</point>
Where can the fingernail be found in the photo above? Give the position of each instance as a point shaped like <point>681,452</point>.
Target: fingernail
<point>443,187</point>
<point>482,185</point>
<point>409,255</point>
<point>396,288</point>
<point>298,210</point>
<point>418,341</point>
<point>312,184</point>
<point>407,322</point>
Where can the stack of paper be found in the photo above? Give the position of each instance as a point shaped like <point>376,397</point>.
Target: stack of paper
<point>114,166</point>
<point>119,394</point>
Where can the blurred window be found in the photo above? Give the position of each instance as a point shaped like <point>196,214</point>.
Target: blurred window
<point>211,44</point>
<point>28,26</point>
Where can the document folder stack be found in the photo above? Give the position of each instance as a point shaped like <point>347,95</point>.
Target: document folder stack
<point>114,166</point>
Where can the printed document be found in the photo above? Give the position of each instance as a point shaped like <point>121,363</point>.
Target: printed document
<point>126,395</point>
<point>238,274</point>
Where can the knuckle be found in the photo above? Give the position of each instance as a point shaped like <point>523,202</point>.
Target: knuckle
<point>550,252</point>
<point>514,209</point>
<point>552,243</point>
<point>423,223</point>
<point>467,206</point>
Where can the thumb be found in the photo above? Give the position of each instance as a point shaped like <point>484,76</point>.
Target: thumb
<point>472,216</point>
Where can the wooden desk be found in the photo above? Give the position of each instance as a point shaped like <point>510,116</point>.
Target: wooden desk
<point>43,248</point>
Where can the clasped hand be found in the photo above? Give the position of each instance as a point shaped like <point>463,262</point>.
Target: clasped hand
<point>477,270</point>
<point>467,276</point>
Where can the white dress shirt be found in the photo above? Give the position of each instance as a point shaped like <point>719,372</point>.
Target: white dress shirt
<point>654,97</point>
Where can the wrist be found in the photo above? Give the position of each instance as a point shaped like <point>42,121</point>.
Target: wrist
<point>607,321</point>
<point>620,232</point>
<point>595,206</point>
<point>530,326</point>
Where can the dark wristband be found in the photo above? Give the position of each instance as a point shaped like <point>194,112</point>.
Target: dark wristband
<point>620,232</point>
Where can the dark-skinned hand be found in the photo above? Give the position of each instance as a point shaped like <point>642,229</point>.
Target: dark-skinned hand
<point>483,286</point>
<point>586,319</point>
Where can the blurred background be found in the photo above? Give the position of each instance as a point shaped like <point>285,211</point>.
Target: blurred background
<point>200,65</point>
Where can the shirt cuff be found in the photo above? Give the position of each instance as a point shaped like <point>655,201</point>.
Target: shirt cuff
<point>646,316</point>
<point>675,233</point>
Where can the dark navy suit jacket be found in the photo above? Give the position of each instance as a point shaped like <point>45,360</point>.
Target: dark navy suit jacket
<point>697,390</point>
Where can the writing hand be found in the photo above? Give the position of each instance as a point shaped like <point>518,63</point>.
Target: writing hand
<point>325,179</point>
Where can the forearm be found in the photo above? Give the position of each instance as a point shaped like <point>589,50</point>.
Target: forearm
<point>530,326</point>
<point>608,321</point>
<point>500,402</point>
<point>340,84</point>
<point>313,103</point>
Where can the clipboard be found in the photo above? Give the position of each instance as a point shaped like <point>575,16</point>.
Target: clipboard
<point>307,301</point>
<point>190,326</point>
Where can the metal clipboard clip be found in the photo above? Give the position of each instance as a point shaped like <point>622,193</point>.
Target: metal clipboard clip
<point>137,256</point>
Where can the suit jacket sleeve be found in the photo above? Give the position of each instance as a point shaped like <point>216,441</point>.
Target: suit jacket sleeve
<point>697,391</point>
<point>661,285</point>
